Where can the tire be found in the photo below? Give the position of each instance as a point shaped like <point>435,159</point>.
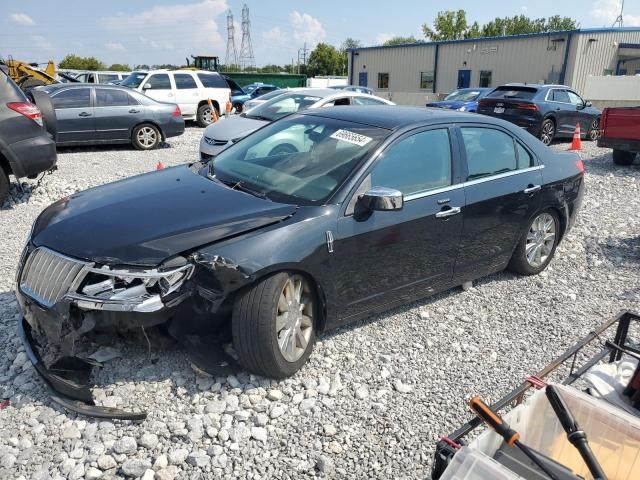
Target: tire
<point>146,137</point>
<point>203,117</point>
<point>4,186</point>
<point>594,130</point>
<point>43,102</point>
<point>238,107</point>
<point>547,131</point>
<point>541,222</point>
<point>620,157</point>
<point>256,338</point>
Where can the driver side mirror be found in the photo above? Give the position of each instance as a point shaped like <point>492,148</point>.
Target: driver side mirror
<point>146,86</point>
<point>588,104</point>
<point>381,199</point>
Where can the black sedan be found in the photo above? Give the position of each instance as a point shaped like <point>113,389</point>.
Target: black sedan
<point>547,111</point>
<point>384,205</point>
<point>108,114</point>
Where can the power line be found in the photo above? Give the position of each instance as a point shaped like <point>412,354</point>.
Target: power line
<point>247,59</point>
<point>232,56</point>
<point>619,21</point>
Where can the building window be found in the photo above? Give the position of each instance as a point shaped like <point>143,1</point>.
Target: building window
<point>608,71</point>
<point>426,81</point>
<point>383,80</point>
<point>485,78</point>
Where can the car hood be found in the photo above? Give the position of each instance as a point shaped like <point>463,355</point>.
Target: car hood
<point>146,219</point>
<point>240,98</point>
<point>233,127</point>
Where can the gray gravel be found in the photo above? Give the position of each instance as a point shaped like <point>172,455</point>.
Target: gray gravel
<point>373,398</point>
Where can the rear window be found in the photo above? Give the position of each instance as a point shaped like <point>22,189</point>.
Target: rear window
<point>524,93</point>
<point>212,81</point>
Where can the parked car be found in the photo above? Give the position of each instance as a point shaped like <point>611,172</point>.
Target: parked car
<point>353,88</point>
<point>620,130</point>
<point>27,143</point>
<point>280,247</point>
<point>222,134</point>
<point>108,114</point>
<point>249,92</point>
<point>254,102</point>
<point>101,77</point>
<point>547,111</point>
<point>190,89</point>
<point>463,99</point>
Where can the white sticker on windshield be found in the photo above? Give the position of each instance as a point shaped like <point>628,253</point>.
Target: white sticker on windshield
<point>355,138</point>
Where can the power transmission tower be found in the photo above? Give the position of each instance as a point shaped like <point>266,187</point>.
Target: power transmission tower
<point>246,48</point>
<point>302,53</point>
<point>619,22</point>
<point>231,59</point>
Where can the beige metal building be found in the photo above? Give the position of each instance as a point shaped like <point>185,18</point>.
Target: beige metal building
<point>412,73</point>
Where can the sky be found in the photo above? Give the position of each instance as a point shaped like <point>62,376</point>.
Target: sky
<point>167,31</point>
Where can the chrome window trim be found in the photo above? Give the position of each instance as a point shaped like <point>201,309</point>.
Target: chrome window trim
<point>435,191</point>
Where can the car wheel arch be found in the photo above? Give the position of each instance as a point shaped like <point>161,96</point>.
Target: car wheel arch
<point>147,122</point>
<point>215,103</point>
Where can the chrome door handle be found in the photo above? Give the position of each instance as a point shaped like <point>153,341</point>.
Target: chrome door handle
<point>532,189</point>
<point>449,212</point>
<point>133,110</point>
<point>84,114</point>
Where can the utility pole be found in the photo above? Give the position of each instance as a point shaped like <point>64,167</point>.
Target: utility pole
<point>619,21</point>
<point>302,52</point>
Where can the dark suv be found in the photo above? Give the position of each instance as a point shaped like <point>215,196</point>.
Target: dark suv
<point>27,144</point>
<point>546,111</point>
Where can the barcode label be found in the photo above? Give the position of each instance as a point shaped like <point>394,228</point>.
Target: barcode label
<point>355,138</point>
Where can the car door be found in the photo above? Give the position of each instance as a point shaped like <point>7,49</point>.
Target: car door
<point>581,115</point>
<point>565,113</point>
<point>502,192</point>
<point>187,93</point>
<point>75,114</point>
<point>158,86</point>
<point>116,113</point>
<point>383,256</point>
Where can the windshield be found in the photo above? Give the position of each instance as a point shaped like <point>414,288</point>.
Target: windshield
<point>282,106</point>
<point>134,80</point>
<point>300,160</point>
<point>249,89</point>
<point>463,95</point>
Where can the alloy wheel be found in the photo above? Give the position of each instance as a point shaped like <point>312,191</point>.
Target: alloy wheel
<point>547,133</point>
<point>294,318</point>
<point>540,240</point>
<point>594,131</point>
<point>207,117</point>
<point>147,137</point>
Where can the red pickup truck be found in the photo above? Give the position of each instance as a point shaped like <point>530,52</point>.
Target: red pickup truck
<point>620,130</point>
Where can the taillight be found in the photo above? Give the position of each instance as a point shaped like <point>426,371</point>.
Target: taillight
<point>527,106</point>
<point>483,103</point>
<point>580,165</point>
<point>28,110</point>
<point>177,112</point>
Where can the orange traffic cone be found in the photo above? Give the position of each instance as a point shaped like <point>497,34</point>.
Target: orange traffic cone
<point>228,106</point>
<point>160,165</point>
<point>214,115</point>
<point>576,144</point>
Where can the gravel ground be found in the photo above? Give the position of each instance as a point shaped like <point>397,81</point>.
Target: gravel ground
<point>374,397</point>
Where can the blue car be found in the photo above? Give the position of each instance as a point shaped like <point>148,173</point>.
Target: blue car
<point>251,91</point>
<point>463,99</point>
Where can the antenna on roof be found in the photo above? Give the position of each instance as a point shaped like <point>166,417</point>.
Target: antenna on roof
<point>619,21</point>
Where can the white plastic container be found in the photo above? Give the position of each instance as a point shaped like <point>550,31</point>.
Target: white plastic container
<point>468,464</point>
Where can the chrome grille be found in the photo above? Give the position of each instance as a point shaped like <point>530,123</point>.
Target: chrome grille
<point>215,142</point>
<point>47,276</point>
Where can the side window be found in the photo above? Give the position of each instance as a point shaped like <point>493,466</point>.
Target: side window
<point>159,81</point>
<point>489,152</point>
<point>366,101</point>
<point>184,81</point>
<point>525,160</point>
<point>107,77</point>
<point>91,78</point>
<point>383,80</point>
<point>415,164</point>
<point>560,96</point>
<point>575,99</point>
<point>210,80</point>
<point>72,98</point>
<point>108,97</point>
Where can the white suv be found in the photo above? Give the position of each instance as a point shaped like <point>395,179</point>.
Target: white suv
<point>190,89</point>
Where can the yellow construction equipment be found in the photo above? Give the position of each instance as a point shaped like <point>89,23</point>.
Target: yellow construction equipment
<point>203,62</point>
<point>28,75</point>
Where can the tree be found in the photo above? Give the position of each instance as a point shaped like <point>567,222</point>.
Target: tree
<point>400,40</point>
<point>119,67</point>
<point>348,44</point>
<point>75,62</point>
<point>448,25</point>
<point>325,59</point>
<point>142,66</point>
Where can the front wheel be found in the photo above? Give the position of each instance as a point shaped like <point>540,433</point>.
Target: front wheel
<point>238,107</point>
<point>273,325</point>
<point>204,117</point>
<point>146,137</point>
<point>547,131</point>
<point>620,157</point>
<point>536,248</point>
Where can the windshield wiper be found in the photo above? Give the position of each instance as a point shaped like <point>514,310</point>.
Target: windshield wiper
<point>259,117</point>
<point>239,185</point>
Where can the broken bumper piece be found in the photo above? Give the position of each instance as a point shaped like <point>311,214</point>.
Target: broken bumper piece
<point>68,382</point>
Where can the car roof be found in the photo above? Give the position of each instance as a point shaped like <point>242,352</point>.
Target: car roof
<point>394,117</point>
<point>58,86</point>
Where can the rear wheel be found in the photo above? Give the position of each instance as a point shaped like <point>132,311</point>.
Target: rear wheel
<point>547,131</point>
<point>4,186</point>
<point>620,157</point>
<point>536,248</point>
<point>204,118</point>
<point>273,325</point>
<point>594,130</point>
<point>146,137</point>
<point>238,107</point>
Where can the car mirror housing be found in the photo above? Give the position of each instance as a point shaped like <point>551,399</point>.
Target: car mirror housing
<point>588,104</point>
<point>382,199</point>
<point>146,86</point>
